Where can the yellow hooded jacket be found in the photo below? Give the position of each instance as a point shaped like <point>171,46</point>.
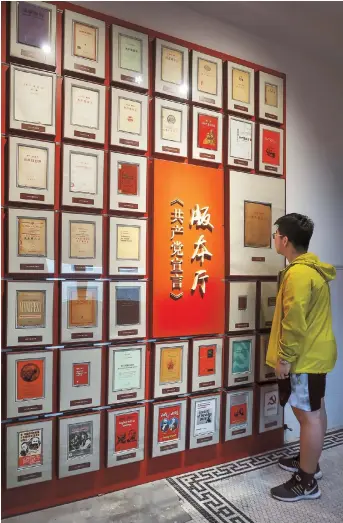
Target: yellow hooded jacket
<point>302,325</point>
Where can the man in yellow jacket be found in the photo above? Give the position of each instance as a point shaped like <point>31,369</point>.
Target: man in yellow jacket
<point>302,349</point>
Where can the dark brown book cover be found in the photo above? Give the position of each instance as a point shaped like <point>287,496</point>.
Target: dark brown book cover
<point>128,305</point>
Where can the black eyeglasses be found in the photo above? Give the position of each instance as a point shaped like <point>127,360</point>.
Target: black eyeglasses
<point>277,234</point>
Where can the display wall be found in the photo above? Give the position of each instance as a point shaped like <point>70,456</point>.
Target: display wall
<point>137,251</point>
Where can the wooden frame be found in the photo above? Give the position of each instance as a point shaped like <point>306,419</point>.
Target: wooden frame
<point>87,164</point>
<point>40,114</point>
<point>209,148</point>
<point>76,126</point>
<point>134,75</point>
<point>46,52</point>
<point>240,96</point>
<point>174,86</point>
<point>271,102</point>
<point>170,139</point>
<point>92,61</point>
<point>207,91</point>
<point>25,156</point>
<point>29,313</point>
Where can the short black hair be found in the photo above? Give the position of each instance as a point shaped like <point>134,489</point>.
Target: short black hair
<point>298,229</point>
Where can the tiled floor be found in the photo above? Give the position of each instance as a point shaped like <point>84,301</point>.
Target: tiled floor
<point>236,492</point>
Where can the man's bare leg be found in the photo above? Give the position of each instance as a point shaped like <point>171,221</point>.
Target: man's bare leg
<point>312,432</point>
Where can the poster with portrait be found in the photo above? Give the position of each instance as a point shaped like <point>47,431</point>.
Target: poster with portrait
<point>28,453</point>
<point>204,420</point>
<point>169,427</point>
<point>79,444</point>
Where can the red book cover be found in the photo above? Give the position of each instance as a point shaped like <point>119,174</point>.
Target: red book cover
<point>30,379</point>
<point>238,414</point>
<point>207,132</point>
<point>271,147</point>
<point>80,374</point>
<point>30,448</point>
<point>207,360</point>
<point>126,431</point>
<point>128,178</point>
<point>168,423</point>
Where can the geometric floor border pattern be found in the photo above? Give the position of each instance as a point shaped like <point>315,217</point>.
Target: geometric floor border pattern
<point>196,487</point>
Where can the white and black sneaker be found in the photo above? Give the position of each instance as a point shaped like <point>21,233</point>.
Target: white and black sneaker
<point>296,490</point>
<point>292,464</point>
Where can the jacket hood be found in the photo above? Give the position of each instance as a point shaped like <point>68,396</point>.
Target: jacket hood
<point>325,269</point>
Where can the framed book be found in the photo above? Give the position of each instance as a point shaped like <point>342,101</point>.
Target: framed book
<point>171,367</point>
<point>80,378</point>
<point>172,70</point>
<point>32,100</point>
<point>129,121</point>
<point>241,142</point>
<point>240,89</point>
<point>242,306</point>
<point>83,177</point>
<point>271,412</point>
<point>127,310</point>
<point>240,362</point>
<point>125,441</point>
<point>204,421</point>
<point>169,427</point>
<point>171,123</point>
<point>269,292</point>
<point>239,411</point>
<point>33,32</point>
<point>127,247</point>
<point>81,315</point>
<point>81,241</point>
<point>84,44</point>
<point>271,98</point>
<point>270,150</point>
<point>31,249</point>
<point>128,183</point>
<point>79,444</point>
<point>84,110</point>
<point>29,313</point>
<point>130,57</point>
<point>207,364</point>
<point>126,380</point>
<point>256,202</point>
<point>207,135</point>
<point>207,79</point>
<point>266,373</point>
<point>31,171</point>
<point>29,448</point>
<point>29,378</point>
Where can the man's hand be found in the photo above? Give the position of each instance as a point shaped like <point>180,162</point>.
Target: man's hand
<point>282,369</point>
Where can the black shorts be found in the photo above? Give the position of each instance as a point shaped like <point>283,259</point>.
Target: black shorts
<point>303,391</point>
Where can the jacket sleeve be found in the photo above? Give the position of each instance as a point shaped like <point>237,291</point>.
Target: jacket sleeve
<point>295,302</point>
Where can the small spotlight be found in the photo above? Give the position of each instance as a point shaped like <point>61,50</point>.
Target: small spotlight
<point>46,48</point>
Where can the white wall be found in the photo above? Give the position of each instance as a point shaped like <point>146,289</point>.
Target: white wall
<point>334,394</point>
<point>314,131</point>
